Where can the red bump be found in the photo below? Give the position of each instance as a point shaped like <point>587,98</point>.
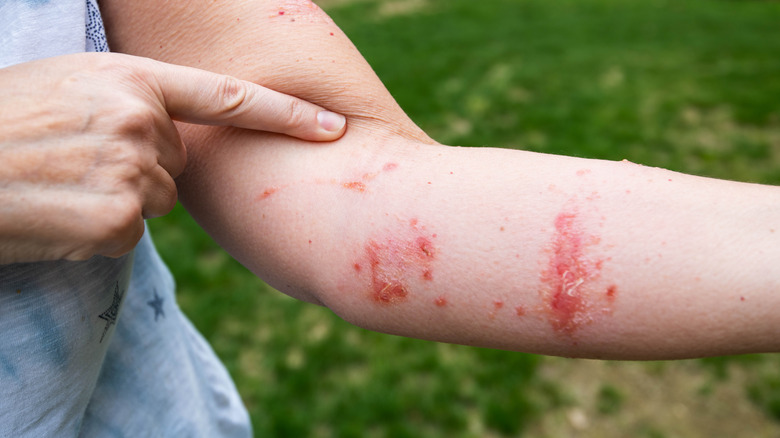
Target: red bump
<point>427,275</point>
<point>612,292</point>
<point>440,301</point>
<point>425,246</point>
<point>498,304</point>
<point>520,310</point>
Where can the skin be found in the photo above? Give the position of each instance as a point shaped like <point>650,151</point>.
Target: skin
<point>91,150</point>
<point>489,247</point>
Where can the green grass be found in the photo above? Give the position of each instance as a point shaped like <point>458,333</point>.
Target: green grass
<point>687,85</point>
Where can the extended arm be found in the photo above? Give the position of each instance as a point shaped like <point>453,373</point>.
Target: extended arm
<point>487,247</point>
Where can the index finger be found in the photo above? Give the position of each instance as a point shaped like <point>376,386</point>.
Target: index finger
<point>198,96</point>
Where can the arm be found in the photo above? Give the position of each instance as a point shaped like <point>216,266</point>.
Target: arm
<point>486,247</point>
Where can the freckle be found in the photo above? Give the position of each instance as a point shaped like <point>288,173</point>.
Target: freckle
<point>520,311</point>
<point>18,291</point>
<point>292,19</point>
<point>440,301</point>
<point>161,46</point>
<point>502,228</point>
<point>771,230</point>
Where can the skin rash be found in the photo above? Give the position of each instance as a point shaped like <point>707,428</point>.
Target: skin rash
<point>569,293</point>
<point>392,263</point>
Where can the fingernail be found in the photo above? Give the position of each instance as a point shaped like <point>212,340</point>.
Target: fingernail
<point>331,122</point>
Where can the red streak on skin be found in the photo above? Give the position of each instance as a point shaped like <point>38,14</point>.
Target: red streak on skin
<point>267,193</point>
<point>567,277</point>
<point>440,301</point>
<point>394,261</point>
<point>355,185</point>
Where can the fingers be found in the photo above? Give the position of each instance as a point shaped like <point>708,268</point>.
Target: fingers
<point>197,96</point>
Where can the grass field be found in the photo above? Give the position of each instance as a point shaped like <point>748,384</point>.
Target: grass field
<point>687,85</point>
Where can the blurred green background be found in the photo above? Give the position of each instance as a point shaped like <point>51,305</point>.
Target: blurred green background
<point>687,85</point>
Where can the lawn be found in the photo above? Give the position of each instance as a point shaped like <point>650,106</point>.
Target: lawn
<point>687,85</point>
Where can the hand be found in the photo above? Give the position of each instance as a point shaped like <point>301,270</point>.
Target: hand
<point>88,147</point>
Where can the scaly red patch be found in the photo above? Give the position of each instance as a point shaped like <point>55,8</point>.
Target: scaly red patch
<point>568,291</point>
<point>395,261</point>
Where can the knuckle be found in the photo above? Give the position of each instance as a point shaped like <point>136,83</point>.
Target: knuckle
<point>168,197</point>
<point>232,94</point>
<point>115,226</point>
<point>296,113</point>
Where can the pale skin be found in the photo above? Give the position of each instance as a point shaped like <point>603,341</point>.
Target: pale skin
<point>489,247</point>
<point>89,148</point>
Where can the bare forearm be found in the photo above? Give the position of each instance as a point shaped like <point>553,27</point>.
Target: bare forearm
<point>506,249</point>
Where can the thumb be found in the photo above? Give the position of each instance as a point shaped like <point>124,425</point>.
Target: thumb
<point>198,96</point>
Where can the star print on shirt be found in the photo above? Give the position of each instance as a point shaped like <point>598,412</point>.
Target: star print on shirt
<point>157,305</point>
<point>112,312</point>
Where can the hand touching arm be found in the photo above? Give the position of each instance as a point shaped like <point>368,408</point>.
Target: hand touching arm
<point>486,247</point>
<point>89,148</point>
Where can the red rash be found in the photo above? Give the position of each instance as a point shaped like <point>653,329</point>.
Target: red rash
<point>567,290</point>
<point>355,185</point>
<point>267,193</point>
<point>394,261</point>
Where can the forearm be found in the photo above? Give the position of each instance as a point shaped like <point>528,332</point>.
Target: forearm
<point>478,246</point>
<point>503,248</point>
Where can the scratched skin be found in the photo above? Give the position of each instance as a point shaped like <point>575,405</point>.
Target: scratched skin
<point>394,263</point>
<point>570,295</point>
